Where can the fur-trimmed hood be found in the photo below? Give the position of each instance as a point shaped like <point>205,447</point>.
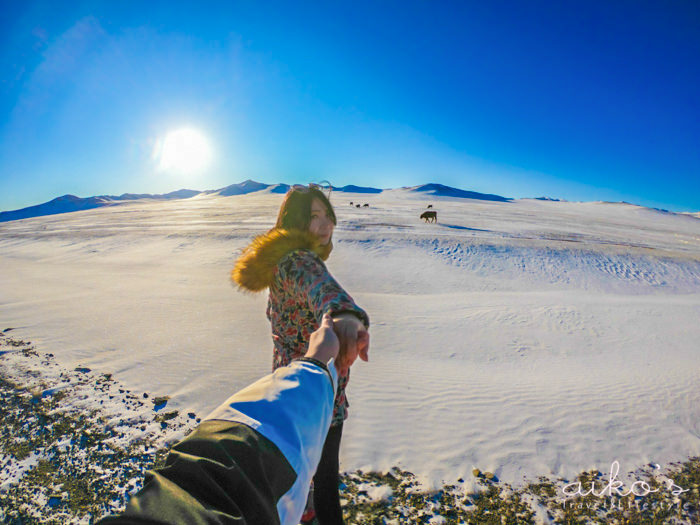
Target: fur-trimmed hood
<point>255,268</point>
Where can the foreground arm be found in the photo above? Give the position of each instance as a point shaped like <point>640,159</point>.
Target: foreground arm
<point>251,461</point>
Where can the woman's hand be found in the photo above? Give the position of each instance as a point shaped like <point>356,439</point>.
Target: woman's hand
<point>354,341</point>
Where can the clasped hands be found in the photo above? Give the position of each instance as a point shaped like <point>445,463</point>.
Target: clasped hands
<point>343,337</point>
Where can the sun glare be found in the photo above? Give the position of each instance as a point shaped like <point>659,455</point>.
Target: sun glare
<point>185,150</point>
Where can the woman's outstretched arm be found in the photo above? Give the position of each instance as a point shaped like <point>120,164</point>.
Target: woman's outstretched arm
<point>306,274</point>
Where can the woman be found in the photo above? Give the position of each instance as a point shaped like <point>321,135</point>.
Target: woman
<point>288,260</point>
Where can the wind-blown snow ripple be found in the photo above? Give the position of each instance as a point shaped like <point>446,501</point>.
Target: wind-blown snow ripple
<point>576,268</point>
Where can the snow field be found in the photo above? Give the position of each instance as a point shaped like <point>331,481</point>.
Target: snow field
<point>522,338</point>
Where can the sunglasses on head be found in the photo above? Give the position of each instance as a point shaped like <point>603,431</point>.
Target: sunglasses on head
<point>313,186</point>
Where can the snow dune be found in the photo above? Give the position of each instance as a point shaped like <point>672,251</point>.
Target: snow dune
<point>524,337</point>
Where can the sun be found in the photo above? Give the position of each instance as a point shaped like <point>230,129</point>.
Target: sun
<point>184,150</point>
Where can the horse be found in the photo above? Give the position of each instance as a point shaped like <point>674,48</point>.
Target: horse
<point>429,216</point>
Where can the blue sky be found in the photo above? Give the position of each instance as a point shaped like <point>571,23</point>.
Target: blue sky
<point>574,100</point>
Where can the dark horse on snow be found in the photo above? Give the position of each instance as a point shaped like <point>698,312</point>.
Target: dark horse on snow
<point>429,216</point>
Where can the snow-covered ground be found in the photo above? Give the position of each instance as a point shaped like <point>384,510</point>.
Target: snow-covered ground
<point>523,338</point>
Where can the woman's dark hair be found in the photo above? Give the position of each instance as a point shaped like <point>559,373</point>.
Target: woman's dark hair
<point>295,211</point>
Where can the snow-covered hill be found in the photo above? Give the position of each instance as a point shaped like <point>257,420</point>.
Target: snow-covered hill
<point>521,337</point>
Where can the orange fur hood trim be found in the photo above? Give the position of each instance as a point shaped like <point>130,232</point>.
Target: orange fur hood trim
<point>255,268</point>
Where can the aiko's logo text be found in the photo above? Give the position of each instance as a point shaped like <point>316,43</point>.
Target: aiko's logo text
<point>615,487</point>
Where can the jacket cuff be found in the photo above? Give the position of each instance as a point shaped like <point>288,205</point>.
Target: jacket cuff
<point>324,366</point>
<point>329,369</point>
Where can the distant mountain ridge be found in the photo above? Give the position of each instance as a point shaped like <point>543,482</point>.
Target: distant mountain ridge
<point>63,204</point>
<point>248,186</point>
<point>351,188</point>
<point>179,194</point>
<point>440,190</point>
<point>70,203</point>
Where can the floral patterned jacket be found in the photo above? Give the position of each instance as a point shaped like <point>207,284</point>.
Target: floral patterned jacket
<point>290,263</point>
